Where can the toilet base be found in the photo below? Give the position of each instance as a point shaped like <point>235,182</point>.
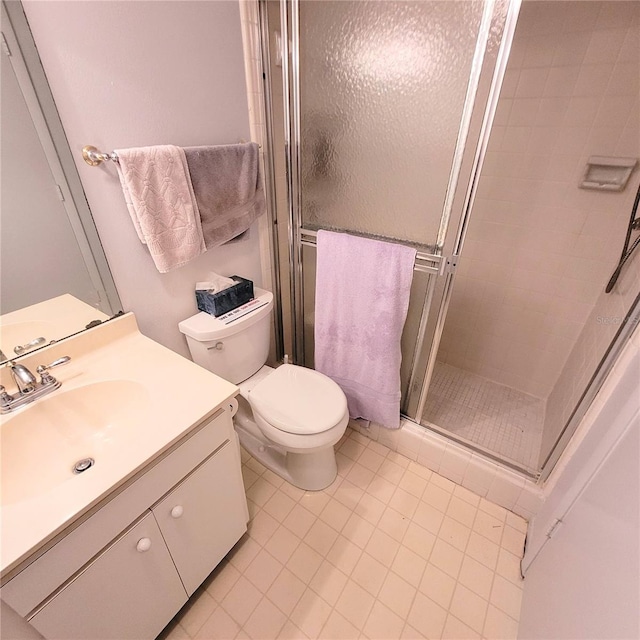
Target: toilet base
<point>309,471</point>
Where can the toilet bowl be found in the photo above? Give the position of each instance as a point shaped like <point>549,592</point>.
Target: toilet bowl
<point>288,418</point>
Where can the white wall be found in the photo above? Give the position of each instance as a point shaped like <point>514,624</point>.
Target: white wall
<point>539,250</point>
<point>584,582</point>
<point>139,73</point>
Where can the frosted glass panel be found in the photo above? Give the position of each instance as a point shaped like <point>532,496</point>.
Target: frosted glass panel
<point>382,91</point>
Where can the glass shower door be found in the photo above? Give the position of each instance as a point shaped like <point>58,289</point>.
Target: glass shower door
<point>378,94</point>
<point>382,88</point>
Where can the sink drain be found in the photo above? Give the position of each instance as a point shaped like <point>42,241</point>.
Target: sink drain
<point>83,465</point>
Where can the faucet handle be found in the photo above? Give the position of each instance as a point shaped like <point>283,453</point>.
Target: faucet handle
<point>47,378</point>
<point>5,398</point>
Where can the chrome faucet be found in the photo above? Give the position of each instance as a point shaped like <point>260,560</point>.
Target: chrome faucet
<point>24,379</point>
<point>29,389</point>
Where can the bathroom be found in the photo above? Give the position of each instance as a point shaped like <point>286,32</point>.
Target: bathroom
<point>189,85</point>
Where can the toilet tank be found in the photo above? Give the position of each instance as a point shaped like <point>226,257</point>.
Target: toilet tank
<point>234,345</point>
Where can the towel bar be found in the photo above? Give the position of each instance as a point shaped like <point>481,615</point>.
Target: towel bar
<point>426,260</point>
<point>93,157</point>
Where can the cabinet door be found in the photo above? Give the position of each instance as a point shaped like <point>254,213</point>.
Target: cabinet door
<point>204,516</point>
<point>130,592</point>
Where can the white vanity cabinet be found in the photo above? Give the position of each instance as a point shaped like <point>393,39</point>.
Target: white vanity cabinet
<point>126,570</point>
<point>124,593</point>
<point>202,518</point>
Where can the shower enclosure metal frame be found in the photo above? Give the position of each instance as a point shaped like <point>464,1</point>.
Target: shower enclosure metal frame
<point>269,179</point>
<point>430,259</point>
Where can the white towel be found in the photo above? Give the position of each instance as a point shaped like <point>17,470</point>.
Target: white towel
<point>159,195</point>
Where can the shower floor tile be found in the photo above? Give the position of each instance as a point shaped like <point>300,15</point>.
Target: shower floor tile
<point>505,421</point>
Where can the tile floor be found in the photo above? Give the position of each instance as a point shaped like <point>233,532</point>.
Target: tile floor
<point>505,421</point>
<point>389,550</point>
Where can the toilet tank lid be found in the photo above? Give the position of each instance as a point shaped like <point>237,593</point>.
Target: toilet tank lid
<point>204,327</point>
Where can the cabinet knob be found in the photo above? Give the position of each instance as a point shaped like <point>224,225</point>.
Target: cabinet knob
<point>144,544</point>
<point>177,511</point>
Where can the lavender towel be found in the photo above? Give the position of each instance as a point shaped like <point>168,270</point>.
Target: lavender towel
<point>228,187</point>
<point>157,189</point>
<point>362,297</point>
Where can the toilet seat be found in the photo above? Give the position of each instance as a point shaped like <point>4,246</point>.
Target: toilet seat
<point>299,401</point>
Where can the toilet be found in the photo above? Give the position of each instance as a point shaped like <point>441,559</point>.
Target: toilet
<point>288,418</point>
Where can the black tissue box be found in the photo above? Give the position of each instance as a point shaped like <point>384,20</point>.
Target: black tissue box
<point>219,303</point>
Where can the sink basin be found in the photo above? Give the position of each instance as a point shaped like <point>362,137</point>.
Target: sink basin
<point>42,442</point>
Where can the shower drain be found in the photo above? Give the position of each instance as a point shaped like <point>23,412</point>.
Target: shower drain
<point>83,465</point>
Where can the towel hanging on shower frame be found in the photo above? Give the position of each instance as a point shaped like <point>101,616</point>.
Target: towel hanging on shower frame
<point>634,224</point>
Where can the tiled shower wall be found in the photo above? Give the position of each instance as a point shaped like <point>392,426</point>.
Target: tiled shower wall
<point>539,249</point>
<point>601,326</point>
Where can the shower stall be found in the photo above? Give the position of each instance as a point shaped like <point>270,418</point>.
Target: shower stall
<point>463,129</point>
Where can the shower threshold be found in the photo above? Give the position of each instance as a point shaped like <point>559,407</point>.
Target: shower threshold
<point>532,474</point>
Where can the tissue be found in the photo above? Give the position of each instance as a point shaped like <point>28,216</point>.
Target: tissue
<point>214,283</point>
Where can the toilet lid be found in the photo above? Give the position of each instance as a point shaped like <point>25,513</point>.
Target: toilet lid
<point>299,400</point>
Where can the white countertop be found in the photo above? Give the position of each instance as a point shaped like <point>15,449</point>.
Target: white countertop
<point>52,319</point>
<point>180,395</point>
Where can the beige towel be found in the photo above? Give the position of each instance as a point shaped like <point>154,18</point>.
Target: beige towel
<point>159,195</point>
<point>228,186</point>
